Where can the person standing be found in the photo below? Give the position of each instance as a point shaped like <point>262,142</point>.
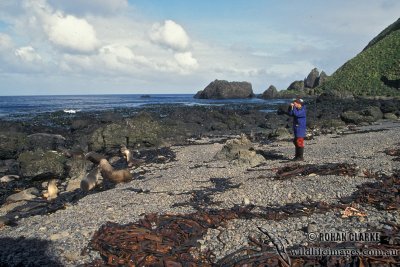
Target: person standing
<point>298,111</point>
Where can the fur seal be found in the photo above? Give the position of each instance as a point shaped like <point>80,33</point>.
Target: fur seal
<point>52,190</point>
<point>115,176</point>
<point>129,157</point>
<point>94,157</point>
<point>90,180</point>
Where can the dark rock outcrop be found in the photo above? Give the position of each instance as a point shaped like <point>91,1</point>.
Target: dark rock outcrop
<point>41,164</point>
<point>321,79</point>
<point>140,131</point>
<point>220,89</point>
<point>296,85</point>
<point>11,143</point>
<point>271,92</point>
<point>311,80</point>
<point>368,115</point>
<point>45,141</point>
<point>334,95</point>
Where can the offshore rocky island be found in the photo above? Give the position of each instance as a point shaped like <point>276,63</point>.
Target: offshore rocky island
<point>207,181</point>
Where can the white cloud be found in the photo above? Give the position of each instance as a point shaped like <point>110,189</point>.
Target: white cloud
<point>171,35</point>
<point>186,60</point>
<point>27,54</point>
<point>64,31</point>
<point>72,33</point>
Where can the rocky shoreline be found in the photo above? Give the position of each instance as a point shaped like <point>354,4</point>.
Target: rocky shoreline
<point>191,137</point>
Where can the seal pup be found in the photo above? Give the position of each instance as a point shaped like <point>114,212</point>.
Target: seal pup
<point>94,157</point>
<point>90,180</point>
<point>115,176</point>
<point>132,162</point>
<point>52,190</point>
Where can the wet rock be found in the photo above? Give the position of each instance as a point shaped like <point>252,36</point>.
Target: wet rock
<point>389,107</point>
<point>334,95</point>
<point>26,194</point>
<point>220,89</point>
<point>371,114</point>
<point>11,143</point>
<point>41,164</point>
<point>140,131</point>
<point>9,166</point>
<point>45,141</point>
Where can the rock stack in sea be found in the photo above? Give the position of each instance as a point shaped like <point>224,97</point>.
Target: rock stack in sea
<point>221,89</point>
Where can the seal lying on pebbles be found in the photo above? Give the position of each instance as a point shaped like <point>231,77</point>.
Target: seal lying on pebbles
<point>90,180</point>
<point>129,157</point>
<point>115,176</point>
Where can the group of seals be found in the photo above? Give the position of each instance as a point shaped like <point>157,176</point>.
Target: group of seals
<point>108,173</point>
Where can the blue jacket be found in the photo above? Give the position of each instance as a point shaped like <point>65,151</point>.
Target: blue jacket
<point>299,121</point>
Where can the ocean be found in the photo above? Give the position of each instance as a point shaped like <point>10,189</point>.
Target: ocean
<point>29,106</point>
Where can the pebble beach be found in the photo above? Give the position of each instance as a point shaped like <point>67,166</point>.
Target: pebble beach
<point>59,238</point>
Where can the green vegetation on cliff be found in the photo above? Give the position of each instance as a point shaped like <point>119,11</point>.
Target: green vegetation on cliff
<point>374,71</point>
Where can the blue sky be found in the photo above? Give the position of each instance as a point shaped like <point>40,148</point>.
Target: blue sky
<point>178,46</point>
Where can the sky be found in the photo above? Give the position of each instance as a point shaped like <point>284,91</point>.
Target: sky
<point>58,47</point>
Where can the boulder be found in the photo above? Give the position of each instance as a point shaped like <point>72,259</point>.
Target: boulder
<point>296,85</point>
<point>352,117</point>
<point>332,123</point>
<point>271,92</point>
<point>283,109</point>
<point>389,107</point>
<point>220,89</point>
<point>390,116</point>
<point>368,115</point>
<point>334,95</point>
<point>11,143</point>
<point>280,133</point>
<point>240,152</point>
<point>374,112</point>
<point>45,141</point>
<point>40,164</point>
<point>311,80</point>
<point>9,166</point>
<point>135,132</point>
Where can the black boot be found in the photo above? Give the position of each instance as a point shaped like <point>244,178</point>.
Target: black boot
<point>300,154</point>
<point>296,155</point>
